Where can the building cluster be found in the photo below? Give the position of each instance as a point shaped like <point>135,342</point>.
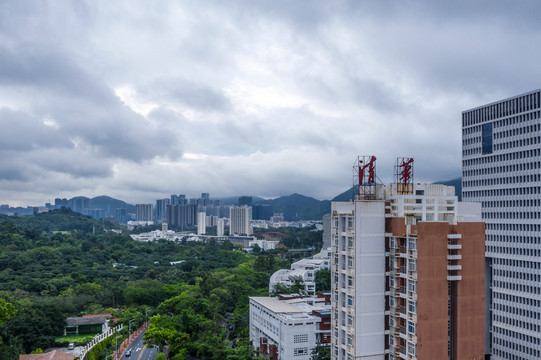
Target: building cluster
<point>417,274</point>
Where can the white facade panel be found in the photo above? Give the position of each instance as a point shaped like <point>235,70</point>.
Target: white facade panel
<point>501,167</point>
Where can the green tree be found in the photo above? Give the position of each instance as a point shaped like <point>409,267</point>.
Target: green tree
<point>7,310</point>
<point>323,280</point>
<point>321,352</point>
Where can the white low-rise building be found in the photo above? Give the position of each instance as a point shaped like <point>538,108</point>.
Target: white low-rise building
<point>264,244</point>
<point>303,270</point>
<point>289,327</point>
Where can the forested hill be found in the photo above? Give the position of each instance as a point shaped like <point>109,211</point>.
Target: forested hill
<point>307,207</point>
<point>58,220</point>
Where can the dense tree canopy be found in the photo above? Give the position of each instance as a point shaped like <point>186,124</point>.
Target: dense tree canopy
<point>65,264</point>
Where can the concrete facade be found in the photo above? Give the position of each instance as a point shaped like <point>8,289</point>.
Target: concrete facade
<point>407,276</point>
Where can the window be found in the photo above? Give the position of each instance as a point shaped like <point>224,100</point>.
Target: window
<point>350,300</point>
<point>300,351</point>
<point>301,338</point>
<point>411,327</point>
<point>412,244</point>
<point>412,307</point>
<point>487,139</point>
<point>412,285</point>
<point>411,348</point>
<point>412,265</point>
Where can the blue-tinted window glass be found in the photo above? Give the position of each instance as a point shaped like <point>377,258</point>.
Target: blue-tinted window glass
<point>487,139</point>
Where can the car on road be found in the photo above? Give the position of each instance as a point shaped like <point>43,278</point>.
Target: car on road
<point>71,346</point>
<point>127,353</point>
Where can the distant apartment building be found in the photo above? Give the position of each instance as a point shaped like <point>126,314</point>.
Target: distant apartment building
<point>245,200</point>
<point>58,202</point>
<point>326,231</point>
<point>289,327</point>
<point>240,217</point>
<point>79,204</point>
<point>161,209</point>
<point>201,223</point>
<point>262,212</point>
<point>501,168</point>
<point>220,227</point>
<point>143,212</point>
<point>407,275</point>
<point>178,199</point>
<point>181,216</point>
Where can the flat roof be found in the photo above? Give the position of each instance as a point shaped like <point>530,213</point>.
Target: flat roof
<point>276,305</point>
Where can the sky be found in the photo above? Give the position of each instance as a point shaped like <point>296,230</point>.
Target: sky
<point>142,99</point>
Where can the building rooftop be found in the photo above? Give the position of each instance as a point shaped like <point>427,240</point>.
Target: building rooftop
<point>53,355</point>
<point>276,305</point>
<point>87,320</point>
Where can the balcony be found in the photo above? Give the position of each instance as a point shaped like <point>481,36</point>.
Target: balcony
<point>454,277</point>
<point>454,267</point>
<point>454,246</point>
<point>454,236</point>
<point>454,257</point>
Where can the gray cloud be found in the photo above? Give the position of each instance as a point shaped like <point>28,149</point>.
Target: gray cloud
<point>189,93</point>
<point>99,97</point>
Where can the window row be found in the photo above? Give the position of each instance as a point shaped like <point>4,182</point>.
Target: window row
<point>502,109</point>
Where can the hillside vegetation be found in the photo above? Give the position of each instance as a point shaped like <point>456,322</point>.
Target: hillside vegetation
<point>52,267</point>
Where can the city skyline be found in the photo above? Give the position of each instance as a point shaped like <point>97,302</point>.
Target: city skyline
<point>266,98</point>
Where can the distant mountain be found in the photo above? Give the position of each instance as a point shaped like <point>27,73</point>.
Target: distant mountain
<point>345,196</point>
<point>234,200</point>
<point>110,204</point>
<point>308,208</point>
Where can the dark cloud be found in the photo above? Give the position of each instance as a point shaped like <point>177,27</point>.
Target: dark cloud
<point>108,96</point>
<point>35,66</point>
<point>24,132</point>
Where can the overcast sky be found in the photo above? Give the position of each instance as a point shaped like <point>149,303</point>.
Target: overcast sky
<point>142,99</point>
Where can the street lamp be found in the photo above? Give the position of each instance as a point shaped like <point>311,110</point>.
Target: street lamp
<point>129,329</point>
<point>116,347</point>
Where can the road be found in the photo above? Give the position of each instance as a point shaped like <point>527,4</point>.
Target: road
<point>139,351</point>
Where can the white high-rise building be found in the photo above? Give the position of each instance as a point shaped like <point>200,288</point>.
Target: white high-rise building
<point>501,168</point>
<point>240,217</point>
<point>407,276</point>
<point>220,227</point>
<point>201,223</point>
